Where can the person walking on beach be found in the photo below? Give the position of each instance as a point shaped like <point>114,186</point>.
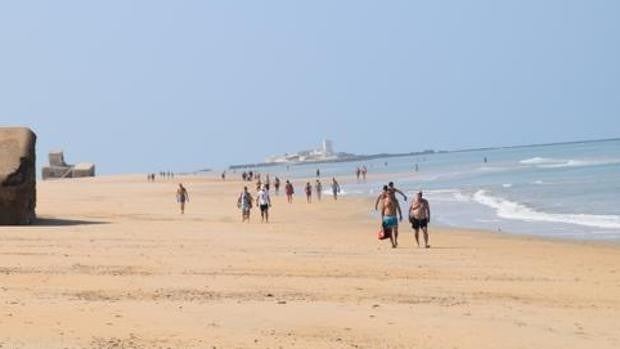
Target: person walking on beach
<point>318,173</point>
<point>276,185</point>
<point>420,216</point>
<point>244,202</point>
<point>182,197</point>
<point>387,193</point>
<point>389,218</point>
<point>319,189</point>
<point>357,173</point>
<point>308,190</point>
<point>364,172</point>
<point>391,191</point>
<point>264,203</point>
<point>289,191</point>
<point>335,188</point>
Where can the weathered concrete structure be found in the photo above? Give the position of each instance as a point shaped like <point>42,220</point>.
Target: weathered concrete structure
<point>17,176</point>
<point>58,168</point>
<point>84,169</point>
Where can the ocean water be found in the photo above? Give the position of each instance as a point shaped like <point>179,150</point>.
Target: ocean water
<point>564,190</point>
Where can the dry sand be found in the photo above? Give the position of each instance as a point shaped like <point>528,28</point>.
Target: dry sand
<point>114,265</point>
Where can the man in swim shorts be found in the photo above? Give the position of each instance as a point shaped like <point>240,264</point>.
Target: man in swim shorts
<point>389,218</point>
<point>420,216</point>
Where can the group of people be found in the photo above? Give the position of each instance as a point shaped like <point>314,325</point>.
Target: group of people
<point>318,189</point>
<point>163,174</point>
<point>263,201</point>
<point>391,214</point>
<point>419,213</point>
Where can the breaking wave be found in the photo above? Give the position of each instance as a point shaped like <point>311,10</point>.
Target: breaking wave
<point>513,210</point>
<point>561,163</point>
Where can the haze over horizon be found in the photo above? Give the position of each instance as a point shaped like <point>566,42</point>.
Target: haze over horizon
<point>149,85</point>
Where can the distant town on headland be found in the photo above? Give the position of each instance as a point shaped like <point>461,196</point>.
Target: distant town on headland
<point>324,154</point>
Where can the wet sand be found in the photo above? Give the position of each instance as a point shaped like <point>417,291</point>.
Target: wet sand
<point>112,264</point>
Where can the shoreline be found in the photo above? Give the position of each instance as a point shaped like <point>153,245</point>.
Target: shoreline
<point>116,265</point>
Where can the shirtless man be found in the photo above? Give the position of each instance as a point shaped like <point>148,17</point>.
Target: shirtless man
<point>386,193</point>
<point>389,219</point>
<point>182,197</point>
<point>420,216</point>
<point>391,190</point>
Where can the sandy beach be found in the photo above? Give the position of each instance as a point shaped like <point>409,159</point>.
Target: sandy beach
<point>112,264</point>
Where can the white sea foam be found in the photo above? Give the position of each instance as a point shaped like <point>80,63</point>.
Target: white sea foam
<point>561,163</point>
<point>540,161</point>
<point>450,195</point>
<point>513,210</point>
<point>507,185</point>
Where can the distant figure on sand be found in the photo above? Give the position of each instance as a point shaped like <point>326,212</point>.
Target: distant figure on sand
<point>244,202</point>
<point>308,190</point>
<point>259,184</point>
<point>318,173</point>
<point>182,197</point>
<point>223,175</point>
<point>420,216</point>
<point>357,173</point>
<point>364,172</point>
<point>318,187</point>
<point>289,190</point>
<point>264,203</point>
<point>335,188</point>
<point>389,218</point>
<point>276,185</point>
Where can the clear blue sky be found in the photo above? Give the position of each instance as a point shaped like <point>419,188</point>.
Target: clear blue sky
<point>146,85</point>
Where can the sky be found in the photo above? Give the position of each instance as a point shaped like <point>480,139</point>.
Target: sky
<point>137,86</point>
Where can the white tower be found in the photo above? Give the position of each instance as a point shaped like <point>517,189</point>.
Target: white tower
<point>328,148</point>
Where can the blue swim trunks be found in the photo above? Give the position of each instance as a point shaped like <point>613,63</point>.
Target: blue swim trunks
<point>390,222</point>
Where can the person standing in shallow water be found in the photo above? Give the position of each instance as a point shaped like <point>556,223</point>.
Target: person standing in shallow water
<point>308,190</point>
<point>182,197</point>
<point>335,188</point>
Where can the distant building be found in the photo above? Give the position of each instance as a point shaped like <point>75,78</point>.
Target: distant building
<point>326,152</point>
<point>58,168</point>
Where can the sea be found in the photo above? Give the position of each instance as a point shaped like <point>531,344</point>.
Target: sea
<point>566,191</point>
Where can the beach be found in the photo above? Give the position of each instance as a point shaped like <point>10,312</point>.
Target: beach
<point>112,264</point>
